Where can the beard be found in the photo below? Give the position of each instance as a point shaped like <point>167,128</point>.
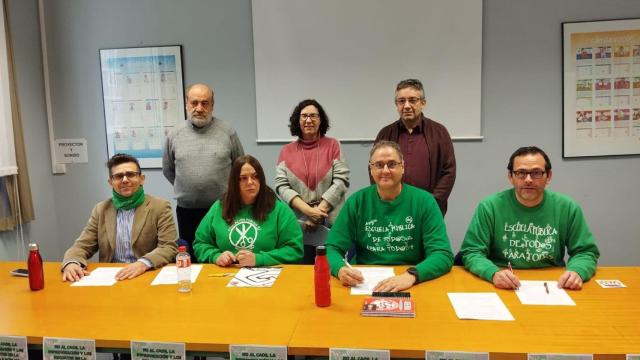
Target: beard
<point>200,121</point>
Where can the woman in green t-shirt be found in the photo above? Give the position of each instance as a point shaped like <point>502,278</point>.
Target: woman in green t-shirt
<point>249,226</point>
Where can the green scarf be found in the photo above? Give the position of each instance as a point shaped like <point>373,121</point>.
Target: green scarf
<point>127,203</point>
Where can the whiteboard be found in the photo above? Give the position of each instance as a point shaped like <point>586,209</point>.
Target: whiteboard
<point>350,54</point>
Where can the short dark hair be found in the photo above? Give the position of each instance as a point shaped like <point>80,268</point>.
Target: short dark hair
<point>232,201</point>
<point>411,83</point>
<point>526,150</point>
<point>118,159</point>
<point>294,119</point>
<point>386,143</point>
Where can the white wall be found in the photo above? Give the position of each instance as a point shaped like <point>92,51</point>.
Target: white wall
<point>521,105</point>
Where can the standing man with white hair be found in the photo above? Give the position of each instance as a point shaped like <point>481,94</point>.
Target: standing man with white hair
<point>197,159</point>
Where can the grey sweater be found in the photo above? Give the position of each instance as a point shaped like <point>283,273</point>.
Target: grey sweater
<point>197,161</point>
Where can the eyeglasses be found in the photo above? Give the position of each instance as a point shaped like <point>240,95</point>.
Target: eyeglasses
<point>309,116</point>
<point>391,165</point>
<point>535,174</point>
<point>412,101</point>
<point>128,174</point>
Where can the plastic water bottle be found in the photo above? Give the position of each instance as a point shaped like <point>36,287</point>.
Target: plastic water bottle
<point>183,267</point>
<point>322,278</point>
<point>36,272</point>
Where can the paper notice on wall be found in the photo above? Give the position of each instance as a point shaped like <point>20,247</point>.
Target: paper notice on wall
<point>71,151</point>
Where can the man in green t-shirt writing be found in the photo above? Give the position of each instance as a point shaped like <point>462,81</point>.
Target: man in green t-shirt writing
<point>529,227</point>
<point>390,223</point>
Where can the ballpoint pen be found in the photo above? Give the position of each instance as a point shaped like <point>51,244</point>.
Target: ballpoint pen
<point>346,262</point>
<point>511,270</point>
<point>221,275</point>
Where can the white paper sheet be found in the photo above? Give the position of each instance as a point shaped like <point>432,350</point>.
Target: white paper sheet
<point>479,306</point>
<point>372,276</point>
<point>169,276</point>
<point>533,292</point>
<point>102,276</point>
<point>255,277</point>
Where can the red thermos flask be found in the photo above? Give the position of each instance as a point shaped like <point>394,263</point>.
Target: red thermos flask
<point>322,278</point>
<point>36,272</point>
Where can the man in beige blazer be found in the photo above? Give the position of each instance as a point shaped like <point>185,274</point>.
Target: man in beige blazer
<point>131,227</point>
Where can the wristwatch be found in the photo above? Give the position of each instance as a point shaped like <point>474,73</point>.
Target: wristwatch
<point>413,271</point>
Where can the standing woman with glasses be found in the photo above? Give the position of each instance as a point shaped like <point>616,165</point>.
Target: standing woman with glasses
<point>312,175</point>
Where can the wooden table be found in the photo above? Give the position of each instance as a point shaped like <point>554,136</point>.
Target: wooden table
<point>605,322</point>
<point>208,319</point>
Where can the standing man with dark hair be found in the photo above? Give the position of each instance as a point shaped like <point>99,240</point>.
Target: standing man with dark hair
<point>430,163</point>
<point>132,227</point>
<point>197,158</point>
<point>528,226</point>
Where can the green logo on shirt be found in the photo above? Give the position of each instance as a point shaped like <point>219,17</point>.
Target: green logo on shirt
<point>243,234</point>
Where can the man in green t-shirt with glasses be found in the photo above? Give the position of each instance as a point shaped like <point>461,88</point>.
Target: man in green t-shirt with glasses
<point>390,223</point>
<point>527,227</point>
